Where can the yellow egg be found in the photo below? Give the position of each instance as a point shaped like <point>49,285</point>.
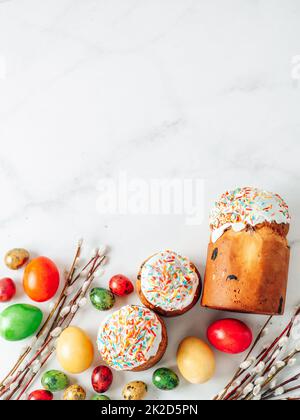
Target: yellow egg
<point>195,360</point>
<point>75,351</point>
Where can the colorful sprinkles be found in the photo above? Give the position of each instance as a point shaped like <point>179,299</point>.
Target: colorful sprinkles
<point>129,337</point>
<point>169,281</point>
<point>247,206</point>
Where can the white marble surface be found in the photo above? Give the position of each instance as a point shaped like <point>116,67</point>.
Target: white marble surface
<point>164,88</point>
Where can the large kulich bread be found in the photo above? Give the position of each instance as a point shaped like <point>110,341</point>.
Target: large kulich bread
<point>248,262</point>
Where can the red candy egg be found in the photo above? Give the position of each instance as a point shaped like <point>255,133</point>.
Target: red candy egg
<point>7,290</point>
<point>41,279</point>
<point>40,395</point>
<point>102,378</point>
<point>230,336</point>
<point>121,285</point>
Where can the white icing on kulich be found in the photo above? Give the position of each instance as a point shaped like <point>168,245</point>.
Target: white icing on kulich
<point>128,338</point>
<point>169,281</point>
<point>244,207</point>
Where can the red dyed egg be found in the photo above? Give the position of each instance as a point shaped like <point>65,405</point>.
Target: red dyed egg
<point>7,290</point>
<point>41,279</point>
<point>102,378</point>
<point>40,395</point>
<point>230,336</point>
<point>121,285</point>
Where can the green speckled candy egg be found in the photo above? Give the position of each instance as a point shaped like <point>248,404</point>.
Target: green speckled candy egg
<point>20,321</point>
<point>135,391</point>
<point>102,299</point>
<point>100,398</point>
<point>55,381</point>
<point>165,379</point>
<point>74,393</point>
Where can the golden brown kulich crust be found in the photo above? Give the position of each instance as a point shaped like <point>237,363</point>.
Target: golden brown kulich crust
<point>160,311</point>
<point>160,353</point>
<point>247,271</point>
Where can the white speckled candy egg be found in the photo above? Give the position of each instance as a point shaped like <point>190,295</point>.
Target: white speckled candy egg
<point>134,391</point>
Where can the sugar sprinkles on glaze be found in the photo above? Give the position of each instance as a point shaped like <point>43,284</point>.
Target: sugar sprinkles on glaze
<point>244,207</point>
<point>129,337</point>
<point>169,281</point>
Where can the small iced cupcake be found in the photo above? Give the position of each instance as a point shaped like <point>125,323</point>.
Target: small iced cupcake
<point>169,284</point>
<point>132,339</point>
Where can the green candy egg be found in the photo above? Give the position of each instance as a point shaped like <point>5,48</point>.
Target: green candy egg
<point>100,398</point>
<point>55,381</point>
<point>20,321</point>
<point>165,379</point>
<point>102,299</point>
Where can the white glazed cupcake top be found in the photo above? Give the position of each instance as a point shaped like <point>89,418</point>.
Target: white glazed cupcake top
<point>169,281</point>
<point>129,337</point>
<point>242,207</point>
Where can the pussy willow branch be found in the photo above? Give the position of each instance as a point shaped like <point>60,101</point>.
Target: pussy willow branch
<point>63,322</point>
<point>66,322</point>
<point>252,377</point>
<point>239,372</point>
<point>46,323</point>
<point>268,359</point>
<point>271,377</point>
<point>237,392</point>
<point>271,393</point>
<point>54,321</point>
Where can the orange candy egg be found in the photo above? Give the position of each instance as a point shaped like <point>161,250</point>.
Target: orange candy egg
<point>41,279</point>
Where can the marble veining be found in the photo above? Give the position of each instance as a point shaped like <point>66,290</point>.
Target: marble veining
<point>159,89</point>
